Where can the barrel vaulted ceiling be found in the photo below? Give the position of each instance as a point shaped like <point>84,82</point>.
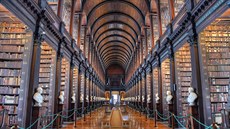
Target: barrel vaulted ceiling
<point>115,26</point>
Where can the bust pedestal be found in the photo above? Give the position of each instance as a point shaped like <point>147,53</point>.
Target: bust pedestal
<point>58,122</point>
<point>36,113</point>
<point>71,113</point>
<point>192,124</point>
<point>60,108</point>
<point>158,109</point>
<point>170,121</point>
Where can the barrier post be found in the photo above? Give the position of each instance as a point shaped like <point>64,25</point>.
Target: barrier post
<point>58,121</point>
<point>75,119</point>
<point>155,119</point>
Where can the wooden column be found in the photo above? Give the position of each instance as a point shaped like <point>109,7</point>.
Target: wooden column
<point>145,87</point>
<point>137,83</point>
<point>79,30</point>
<point>172,83</point>
<point>86,42</point>
<point>70,104</point>
<point>84,100</point>
<point>60,8</point>
<point>141,102</point>
<point>151,89</point>
<point>196,77</point>
<point>152,30</point>
<point>146,42</point>
<point>57,81</point>
<point>72,17</point>
<point>34,72</point>
<point>160,94</point>
<point>141,52</point>
<point>135,91</point>
<point>171,10</point>
<point>90,79</point>
<point>159,17</point>
<point>78,104</point>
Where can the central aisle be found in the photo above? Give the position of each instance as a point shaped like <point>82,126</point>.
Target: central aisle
<point>94,122</point>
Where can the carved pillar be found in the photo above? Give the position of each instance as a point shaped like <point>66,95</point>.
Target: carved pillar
<point>171,9</point>
<point>60,8</point>
<point>90,80</point>
<point>34,72</point>
<point>58,105</point>
<point>146,42</point>
<point>145,88</point>
<point>159,17</point>
<point>152,31</point>
<point>84,99</point>
<point>78,104</point>
<point>72,17</point>
<point>152,101</point>
<point>86,43</point>
<point>71,92</point>
<point>160,94</point>
<point>196,78</point>
<point>141,102</point>
<point>141,52</point>
<point>173,87</point>
<point>79,30</point>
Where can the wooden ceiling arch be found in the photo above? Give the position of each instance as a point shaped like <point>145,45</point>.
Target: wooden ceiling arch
<point>115,26</point>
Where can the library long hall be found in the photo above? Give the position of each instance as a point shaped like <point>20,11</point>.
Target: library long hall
<point>124,64</point>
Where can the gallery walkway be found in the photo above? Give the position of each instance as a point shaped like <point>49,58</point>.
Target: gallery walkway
<point>137,121</point>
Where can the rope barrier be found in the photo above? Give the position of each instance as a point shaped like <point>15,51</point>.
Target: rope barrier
<point>51,122</point>
<point>179,122</point>
<point>33,123</point>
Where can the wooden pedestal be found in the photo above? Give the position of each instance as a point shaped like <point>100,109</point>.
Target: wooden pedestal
<point>58,122</point>
<point>158,109</point>
<point>60,108</point>
<point>170,111</point>
<point>36,113</point>
<point>192,124</point>
<point>71,112</point>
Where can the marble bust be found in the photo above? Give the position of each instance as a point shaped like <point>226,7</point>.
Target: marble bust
<point>169,97</point>
<point>73,98</point>
<point>148,98</point>
<point>61,97</point>
<point>38,97</point>
<point>157,98</point>
<point>191,97</point>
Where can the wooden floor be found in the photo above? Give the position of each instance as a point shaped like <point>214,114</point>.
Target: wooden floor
<point>94,122</point>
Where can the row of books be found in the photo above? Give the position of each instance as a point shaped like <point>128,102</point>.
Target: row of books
<point>6,99</point>
<point>10,80</point>
<point>224,74</point>
<point>11,64</point>
<point>11,25</point>
<point>215,81</point>
<point>218,67</point>
<point>219,61</point>
<point>13,36</point>
<point>218,97</point>
<point>12,41</point>
<point>11,48</point>
<point>11,55</point>
<point>219,89</point>
<point>11,109</point>
<point>219,55</point>
<point>9,72</point>
<point>9,90</point>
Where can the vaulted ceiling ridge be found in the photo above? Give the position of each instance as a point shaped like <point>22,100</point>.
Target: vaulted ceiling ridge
<point>115,27</point>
